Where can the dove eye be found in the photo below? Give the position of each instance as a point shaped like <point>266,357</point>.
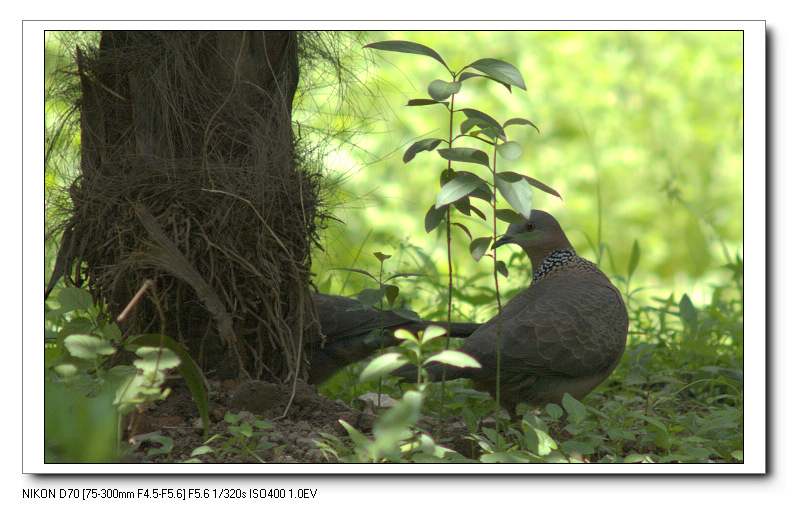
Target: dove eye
<point>529,227</point>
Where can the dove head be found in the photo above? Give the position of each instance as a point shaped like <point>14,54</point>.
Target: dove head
<point>539,235</point>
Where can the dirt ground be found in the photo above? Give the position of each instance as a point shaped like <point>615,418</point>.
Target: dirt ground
<point>289,440</point>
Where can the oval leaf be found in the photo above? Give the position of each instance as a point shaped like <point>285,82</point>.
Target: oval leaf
<point>382,365</point>
<point>519,194</point>
<point>406,47</point>
<point>465,155</point>
<point>454,358</point>
<point>434,217</point>
<point>73,298</point>
<point>432,332</point>
<point>441,90</point>
<point>428,144</point>
<point>509,216</point>
<point>500,70</point>
<point>87,347</point>
<point>370,297</point>
<point>457,188</point>
<point>474,113</point>
<point>510,150</point>
<point>479,246</point>
<point>501,269</point>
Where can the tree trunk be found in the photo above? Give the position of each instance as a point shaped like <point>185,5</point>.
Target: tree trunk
<point>189,176</point>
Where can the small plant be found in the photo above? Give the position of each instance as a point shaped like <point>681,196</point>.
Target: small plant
<point>395,438</point>
<point>245,437</point>
<point>458,187</point>
<point>85,397</point>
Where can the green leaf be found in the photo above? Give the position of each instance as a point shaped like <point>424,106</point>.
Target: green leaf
<point>688,312</point>
<point>519,194</point>
<point>510,150</point>
<point>355,270</point>
<point>500,267</point>
<point>539,185</point>
<point>370,297</point>
<point>382,365</point>
<point>73,298</point>
<point>441,90</point>
<point>576,410</point>
<point>406,47</point>
<point>511,176</point>
<point>77,325</point>
<point>416,102</point>
<point>188,369</point>
<point>454,358</point>
<point>500,70</point>
<point>432,332</point>
<point>156,359</point>
<point>391,292</point>
<point>465,155</point>
<point>405,313</point>
<point>464,229</point>
<point>509,216</point>
<point>520,121</point>
<point>554,411</point>
<point>434,217</point>
<point>358,438</point>
<point>479,246</point>
<point>380,256</point>
<point>634,258</point>
<point>458,187</point>
<point>482,120</point>
<point>428,145</point>
<point>467,75</point>
<point>87,347</point>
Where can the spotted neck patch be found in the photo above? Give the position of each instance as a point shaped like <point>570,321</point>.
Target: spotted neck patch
<point>553,261</point>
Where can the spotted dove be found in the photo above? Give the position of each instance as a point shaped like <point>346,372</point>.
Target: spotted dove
<point>564,334</point>
<point>351,333</point>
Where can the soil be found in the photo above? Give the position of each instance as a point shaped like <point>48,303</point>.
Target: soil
<point>290,438</point>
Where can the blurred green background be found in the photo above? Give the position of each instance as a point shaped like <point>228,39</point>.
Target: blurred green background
<point>642,127</point>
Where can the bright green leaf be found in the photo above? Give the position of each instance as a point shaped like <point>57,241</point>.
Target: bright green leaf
<point>432,332</point>
<point>382,365</point>
<point>454,358</point>
<point>87,347</point>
